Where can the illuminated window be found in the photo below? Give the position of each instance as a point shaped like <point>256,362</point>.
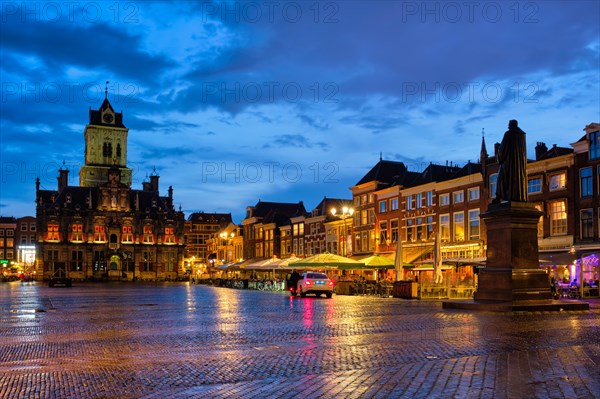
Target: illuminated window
<point>558,181</point>
<point>169,235</point>
<point>99,233</point>
<point>474,224</point>
<point>127,234</point>
<point>444,227</point>
<point>540,226</point>
<point>383,233</point>
<point>394,204</point>
<point>558,217</point>
<point>77,232</point>
<point>459,226</point>
<point>148,236</point>
<point>394,230</point>
<point>52,232</point>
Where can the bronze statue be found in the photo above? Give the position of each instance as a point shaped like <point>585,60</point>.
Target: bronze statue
<point>512,174</point>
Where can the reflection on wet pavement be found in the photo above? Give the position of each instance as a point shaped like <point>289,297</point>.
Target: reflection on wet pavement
<point>179,340</point>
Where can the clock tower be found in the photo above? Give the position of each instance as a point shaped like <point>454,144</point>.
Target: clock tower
<point>105,147</point>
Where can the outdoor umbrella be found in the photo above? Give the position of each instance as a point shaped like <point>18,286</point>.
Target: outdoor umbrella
<point>378,262</point>
<point>398,258</point>
<point>327,260</point>
<point>285,263</point>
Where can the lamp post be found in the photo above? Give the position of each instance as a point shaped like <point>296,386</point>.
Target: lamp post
<point>346,212</point>
<point>226,241</point>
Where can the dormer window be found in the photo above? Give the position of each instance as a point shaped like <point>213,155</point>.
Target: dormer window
<point>99,233</point>
<point>53,232</point>
<point>77,232</point>
<point>169,237</point>
<point>127,234</point>
<point>594,145</point>
<point>148,236</point>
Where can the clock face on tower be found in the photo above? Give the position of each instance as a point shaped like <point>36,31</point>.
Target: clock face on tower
<point>107,118</point>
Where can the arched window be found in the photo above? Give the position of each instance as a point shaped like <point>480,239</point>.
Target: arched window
<point>118,150</point>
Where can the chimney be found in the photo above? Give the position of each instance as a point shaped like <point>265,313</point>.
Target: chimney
<point>496,149</point>
<point>154,182</point>
<point>146,186</point>
<point>63,179</point>
<point>540,149</point>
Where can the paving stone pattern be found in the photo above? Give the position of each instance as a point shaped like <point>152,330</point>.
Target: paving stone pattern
<point>176,340</point>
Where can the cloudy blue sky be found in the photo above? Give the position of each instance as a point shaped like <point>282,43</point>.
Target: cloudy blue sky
<point>233,102</point>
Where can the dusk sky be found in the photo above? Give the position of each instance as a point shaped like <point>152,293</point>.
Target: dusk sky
<point>235,102</point>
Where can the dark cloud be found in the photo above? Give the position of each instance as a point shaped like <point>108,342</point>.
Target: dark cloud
<point>88,46</point>
<point>295,141</point>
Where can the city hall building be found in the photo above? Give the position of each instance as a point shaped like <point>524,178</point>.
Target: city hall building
<point>104,229</point>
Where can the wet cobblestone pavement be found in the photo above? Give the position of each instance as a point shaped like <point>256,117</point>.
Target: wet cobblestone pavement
<point>176,340</point>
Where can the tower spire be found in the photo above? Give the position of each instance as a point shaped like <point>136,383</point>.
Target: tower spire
<point>106,90</point>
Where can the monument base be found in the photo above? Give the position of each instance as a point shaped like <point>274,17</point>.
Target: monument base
<point>512,279</point>
<point>518,306</point>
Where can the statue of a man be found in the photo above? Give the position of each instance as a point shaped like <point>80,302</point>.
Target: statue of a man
<point>512,157</point>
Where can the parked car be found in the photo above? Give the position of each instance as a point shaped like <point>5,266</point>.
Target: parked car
<point>315,283</point>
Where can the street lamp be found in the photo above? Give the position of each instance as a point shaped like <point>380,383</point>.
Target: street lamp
<point>226,242</point>
<point>346,213</point>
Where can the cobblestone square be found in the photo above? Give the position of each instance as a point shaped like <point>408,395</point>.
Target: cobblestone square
<point>175,340</point>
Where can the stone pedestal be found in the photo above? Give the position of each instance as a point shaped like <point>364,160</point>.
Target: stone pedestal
<point>512,278</point>
<point>512,271</point>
